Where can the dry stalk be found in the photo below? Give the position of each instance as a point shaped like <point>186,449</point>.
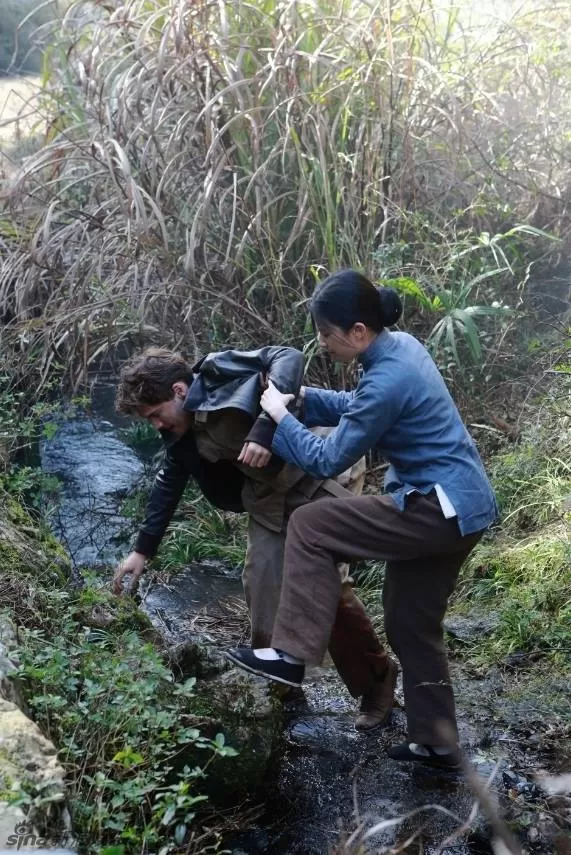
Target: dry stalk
<point>189,180</point>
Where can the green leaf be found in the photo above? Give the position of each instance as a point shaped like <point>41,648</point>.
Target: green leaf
<point>481,311</point>
<point>49,430</point>
<point>169,815</point>
<point>470,332</point>
<point>128,758</point>
<point>409,286</point>
<point>180,833</point>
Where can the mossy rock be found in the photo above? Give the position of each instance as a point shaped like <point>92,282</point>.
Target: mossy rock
<point>98,607</point>
<point>249,714</point>
<point>196,657</point>
<point>27,550</point>
<point>30,771</point>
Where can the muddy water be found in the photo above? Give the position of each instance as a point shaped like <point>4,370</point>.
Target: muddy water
<point>329,780</point>
<point>332,780</point>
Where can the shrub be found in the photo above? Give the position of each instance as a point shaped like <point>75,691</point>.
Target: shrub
<point>123,728</point>
<point>527,583</point>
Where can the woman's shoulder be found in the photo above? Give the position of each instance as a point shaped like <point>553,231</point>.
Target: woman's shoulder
<point>406,342</point>
<point>401,365</point>
<point>401,348</point>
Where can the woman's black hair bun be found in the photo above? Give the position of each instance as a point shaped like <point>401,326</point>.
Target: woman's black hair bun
<point>391,305</point>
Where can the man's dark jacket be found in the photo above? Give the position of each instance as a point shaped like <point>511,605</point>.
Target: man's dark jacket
<point>230,378</point>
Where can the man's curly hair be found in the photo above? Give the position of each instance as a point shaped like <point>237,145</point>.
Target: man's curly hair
<point>148,378</point>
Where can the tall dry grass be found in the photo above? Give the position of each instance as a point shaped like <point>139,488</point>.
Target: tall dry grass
<point>18,104</point>
<point>205,162</point>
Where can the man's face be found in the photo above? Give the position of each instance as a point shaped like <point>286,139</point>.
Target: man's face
<point>169,415</point>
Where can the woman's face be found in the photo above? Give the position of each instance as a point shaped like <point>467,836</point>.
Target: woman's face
<point>339,344</point>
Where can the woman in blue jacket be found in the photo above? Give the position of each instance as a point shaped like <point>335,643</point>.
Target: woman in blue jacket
<point>436,505</point>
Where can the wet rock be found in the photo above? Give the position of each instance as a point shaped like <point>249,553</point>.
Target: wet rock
<point>518,785</point>
<point>196,658</point>
<point>470,627</point>
<point>521,659</point>
<point>100,617</point>
<point>510,778</point>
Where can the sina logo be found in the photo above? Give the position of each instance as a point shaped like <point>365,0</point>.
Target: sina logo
<point>24,836</point>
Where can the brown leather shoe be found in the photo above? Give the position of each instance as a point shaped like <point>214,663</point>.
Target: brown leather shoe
<point>377,704</point>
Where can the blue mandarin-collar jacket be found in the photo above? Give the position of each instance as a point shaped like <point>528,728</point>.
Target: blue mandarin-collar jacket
<point>402,408</point>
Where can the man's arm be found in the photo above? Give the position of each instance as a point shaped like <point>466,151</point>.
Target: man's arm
<point>167,489</point>
<point>170,481</point>
<point>284,367</point>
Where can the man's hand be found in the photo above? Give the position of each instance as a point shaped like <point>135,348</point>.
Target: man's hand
<point>134,564</point>
<point>255,455</point>
<point>275,402</point>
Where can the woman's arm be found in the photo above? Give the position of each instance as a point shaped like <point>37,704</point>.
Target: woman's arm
<point>282,366</point>
<point>373,409</point>
<point>324,407</point>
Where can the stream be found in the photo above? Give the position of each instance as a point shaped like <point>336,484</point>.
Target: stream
<point>329,780</point>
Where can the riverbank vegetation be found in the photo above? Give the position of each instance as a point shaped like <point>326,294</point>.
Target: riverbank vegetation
<point>194,183</point>
<point>95,676</point>
<point>199,166</point>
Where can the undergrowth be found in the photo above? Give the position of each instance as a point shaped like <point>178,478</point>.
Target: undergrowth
<point>522,570</point>
<point>134,759</point>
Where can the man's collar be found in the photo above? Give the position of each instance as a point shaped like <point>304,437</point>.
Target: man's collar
<point>195,395</point>
<point>169,438</point>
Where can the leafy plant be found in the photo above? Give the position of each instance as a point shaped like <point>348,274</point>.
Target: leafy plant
<point>204,532</point>
<point>460,288</point>
<point>533,481</point>
<point>124,729</point>
<point>142,437</point>
<point>197,215</point>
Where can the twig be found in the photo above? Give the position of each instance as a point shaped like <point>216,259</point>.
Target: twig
<point>504,836</point>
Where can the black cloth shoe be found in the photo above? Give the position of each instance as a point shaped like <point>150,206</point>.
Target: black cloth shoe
<point>403,753</point>
<point>272,669</point>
